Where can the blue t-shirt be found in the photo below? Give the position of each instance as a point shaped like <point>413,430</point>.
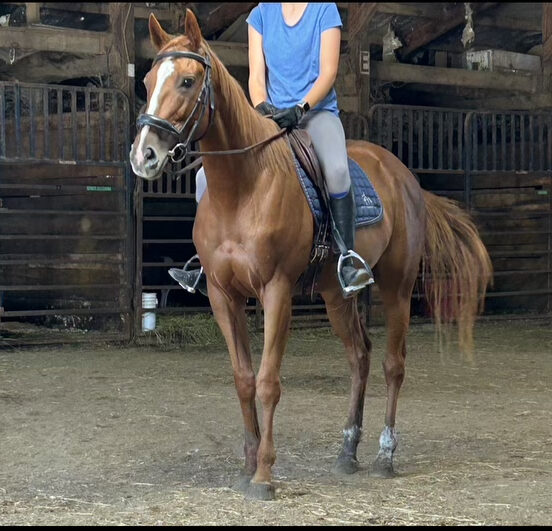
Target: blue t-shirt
<point>292,53</point>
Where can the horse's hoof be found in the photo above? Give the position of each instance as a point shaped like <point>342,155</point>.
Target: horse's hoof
<point>260,491</point>
<point>383,469</point>
<point>242,483</point>
<point>346,465</point>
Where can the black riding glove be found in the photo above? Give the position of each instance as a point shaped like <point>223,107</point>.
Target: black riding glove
<point>266,109</point>
<point>289,118</point>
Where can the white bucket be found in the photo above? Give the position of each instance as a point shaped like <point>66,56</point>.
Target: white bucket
<point>149,300</point>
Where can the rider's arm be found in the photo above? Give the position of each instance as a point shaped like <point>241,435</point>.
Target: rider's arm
<point>257,68</point>
<point>330,42</point>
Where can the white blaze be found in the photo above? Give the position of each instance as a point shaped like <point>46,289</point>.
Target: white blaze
<point>165,71</point>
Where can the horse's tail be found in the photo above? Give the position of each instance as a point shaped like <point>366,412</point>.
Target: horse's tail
<point>456,268</point>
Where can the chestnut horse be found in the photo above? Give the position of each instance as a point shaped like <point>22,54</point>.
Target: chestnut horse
<point>254,232</point>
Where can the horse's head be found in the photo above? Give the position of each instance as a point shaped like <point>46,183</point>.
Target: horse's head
<point>180,101</point>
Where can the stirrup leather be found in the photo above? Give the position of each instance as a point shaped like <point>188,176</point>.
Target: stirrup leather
<point>349,291</point>
<point>192,289</point>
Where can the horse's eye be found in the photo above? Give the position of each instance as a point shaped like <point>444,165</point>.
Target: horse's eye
<point>187,82</point>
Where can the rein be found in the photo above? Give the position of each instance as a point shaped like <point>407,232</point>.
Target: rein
<point>198,161</point>
<point>205,98</point>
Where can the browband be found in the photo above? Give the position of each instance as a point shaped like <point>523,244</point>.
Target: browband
<point>182,55</point>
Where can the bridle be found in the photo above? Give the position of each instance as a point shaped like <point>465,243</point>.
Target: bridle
<point>206,99</point>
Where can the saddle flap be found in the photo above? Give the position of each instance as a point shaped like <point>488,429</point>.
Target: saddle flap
<point>301,145</point>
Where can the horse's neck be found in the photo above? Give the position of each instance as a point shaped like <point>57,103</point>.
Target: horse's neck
<point>231,177</point>
<point>234,126</point>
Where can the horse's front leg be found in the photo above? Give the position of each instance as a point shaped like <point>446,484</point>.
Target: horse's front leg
<point>276,301</point>
<point>230,315</point>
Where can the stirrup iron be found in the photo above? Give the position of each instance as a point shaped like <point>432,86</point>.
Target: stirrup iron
<point>349,291</point>
<point>192,289</point>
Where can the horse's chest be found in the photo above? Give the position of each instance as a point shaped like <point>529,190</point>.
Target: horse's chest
<point>246,267</point>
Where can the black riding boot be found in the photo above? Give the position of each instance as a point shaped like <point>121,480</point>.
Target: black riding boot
<point>190,280</point>
<point>344,214</point>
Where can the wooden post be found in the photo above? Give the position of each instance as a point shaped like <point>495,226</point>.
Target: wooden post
<point>547,46</point>
<point>122,55</point>
<point>364,76</point>
<point>32,12</point>
<point>547,87</point>
<point>359,17</point>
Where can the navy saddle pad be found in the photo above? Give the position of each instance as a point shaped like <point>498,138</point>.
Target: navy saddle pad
<point>369,209</point>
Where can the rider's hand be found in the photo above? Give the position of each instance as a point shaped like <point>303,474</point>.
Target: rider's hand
<point>266,109</point>
<point>289,118</point>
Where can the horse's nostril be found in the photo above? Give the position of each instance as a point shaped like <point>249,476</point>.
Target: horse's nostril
<point>150,154</point>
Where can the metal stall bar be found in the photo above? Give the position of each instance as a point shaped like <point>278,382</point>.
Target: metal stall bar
<point>425,127</point>
<point>516,229</point>
<point>485,147</point>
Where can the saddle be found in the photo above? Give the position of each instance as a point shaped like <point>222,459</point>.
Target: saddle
<point>301,146</point>
<point>368,205</point>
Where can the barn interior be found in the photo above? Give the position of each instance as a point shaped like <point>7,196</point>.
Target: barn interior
<point>460,92</point>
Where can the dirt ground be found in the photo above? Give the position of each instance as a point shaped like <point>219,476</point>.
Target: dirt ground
<point>153,435</point>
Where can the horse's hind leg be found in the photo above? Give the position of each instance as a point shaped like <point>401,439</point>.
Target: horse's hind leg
<point>347,324</point>
<point>230,316</point>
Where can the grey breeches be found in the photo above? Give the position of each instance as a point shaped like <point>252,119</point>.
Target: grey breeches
<point>328,140</point>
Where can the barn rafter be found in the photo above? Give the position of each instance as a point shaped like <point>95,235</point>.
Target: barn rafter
<point>429,34</point>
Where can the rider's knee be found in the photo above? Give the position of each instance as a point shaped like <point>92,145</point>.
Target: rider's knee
<point>339,180</point>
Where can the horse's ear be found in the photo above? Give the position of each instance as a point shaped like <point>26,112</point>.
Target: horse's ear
<point>159,37</point>
<point>191,28</point>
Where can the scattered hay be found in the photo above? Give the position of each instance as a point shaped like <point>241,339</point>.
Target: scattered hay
<point>202,330</point>
<point>193,329</point>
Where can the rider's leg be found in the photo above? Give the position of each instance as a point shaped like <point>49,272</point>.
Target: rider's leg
<point>193,279</point>
<point>328,140</point>
<point>201,184</point>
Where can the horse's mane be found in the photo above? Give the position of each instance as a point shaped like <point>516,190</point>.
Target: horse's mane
<point>274,155</point>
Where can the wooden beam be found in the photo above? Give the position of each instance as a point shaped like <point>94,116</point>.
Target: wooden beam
<point>517,24</point>
<point>432,75</point>
<point>230,53</point>
<point>508,101</point>
<point>239,25</point>
<point>546,33</point>
<point>425,11</point>
<point>359,17</point>
<point>407,10</point>
<point>122,55</point>
<point>513,103</point>
<point>547,46</point>
<point>39,68</point>
<point>102,8</point>
<point>451,16</point>
<point>55,39</point>
<point>223,15</point>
